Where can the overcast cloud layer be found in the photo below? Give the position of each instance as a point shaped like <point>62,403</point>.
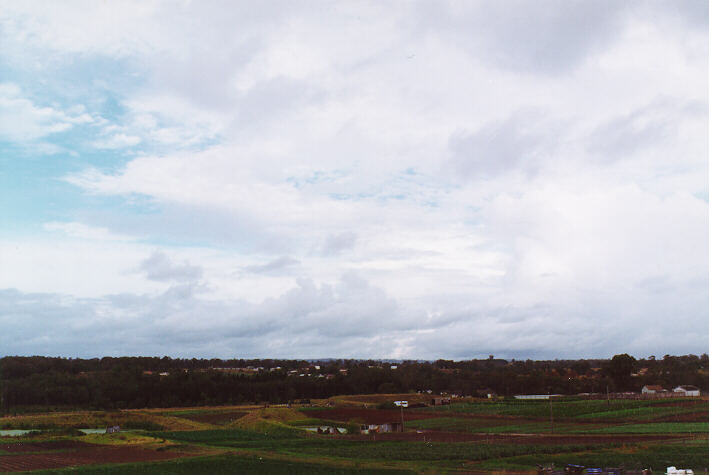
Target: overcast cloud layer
<point>354,179</point>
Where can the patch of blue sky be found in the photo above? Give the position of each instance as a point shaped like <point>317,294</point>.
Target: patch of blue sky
<point>350,196</point>
<point>89,80</point>
<point>704,196</point>
<point>33,188</point>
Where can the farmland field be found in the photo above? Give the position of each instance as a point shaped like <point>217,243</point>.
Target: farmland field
<point>470,435</point>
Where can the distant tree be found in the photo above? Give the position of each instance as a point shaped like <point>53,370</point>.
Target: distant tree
<point>619,370</point>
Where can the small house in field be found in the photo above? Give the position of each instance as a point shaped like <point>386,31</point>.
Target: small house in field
<point>687,390</point>
<point>440,401</point>
<point>652,389</point>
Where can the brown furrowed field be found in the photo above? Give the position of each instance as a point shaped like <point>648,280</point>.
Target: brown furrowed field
<point>48,455</point>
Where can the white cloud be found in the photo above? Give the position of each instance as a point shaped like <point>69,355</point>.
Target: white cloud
<point>83,231</point>
<point>117,141</point>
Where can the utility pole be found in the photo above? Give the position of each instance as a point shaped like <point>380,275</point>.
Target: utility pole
<point>608,395</point>
<point>551,413</point>
<point>402,417</point>
<point>4,402</point>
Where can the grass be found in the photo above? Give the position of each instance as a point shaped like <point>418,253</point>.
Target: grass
<point>227,436</point>
<point>121,438</point>
<point>87,419</point>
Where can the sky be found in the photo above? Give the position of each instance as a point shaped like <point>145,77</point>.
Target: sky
<point>354,179</point>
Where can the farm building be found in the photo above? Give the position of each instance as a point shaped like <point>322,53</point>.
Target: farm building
<point>537,396</point>
<point>380,428</point>
<point>652,389</point>
<point>687,390</point>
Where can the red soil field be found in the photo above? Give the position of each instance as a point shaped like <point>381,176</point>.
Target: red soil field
<point>82,456</point>
<point>368,416</point>
<point>44,446</point>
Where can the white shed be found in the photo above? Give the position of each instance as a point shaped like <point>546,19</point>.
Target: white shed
<point>688,390</point>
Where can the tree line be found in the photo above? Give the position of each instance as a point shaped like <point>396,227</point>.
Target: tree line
<point>138,382</point>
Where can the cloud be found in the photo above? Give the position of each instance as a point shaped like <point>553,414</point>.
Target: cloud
<point>443,179</point>
<point>337,243</point>
<point>280,264</point>
<point>180,318</point>
<point>159,267</point>
<point>547,37</point>
<point>652,125</point>
<point>499,147</point>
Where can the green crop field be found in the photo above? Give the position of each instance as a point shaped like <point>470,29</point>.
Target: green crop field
<point>224,464</point>
<point>656,428</point>
<point>587,409</point>
<point>657,457</point>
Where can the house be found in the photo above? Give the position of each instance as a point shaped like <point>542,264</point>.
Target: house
<point>688,390</point>
<point>652,389</point>
<point>679,471</point>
